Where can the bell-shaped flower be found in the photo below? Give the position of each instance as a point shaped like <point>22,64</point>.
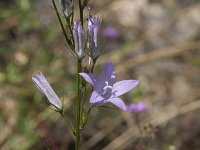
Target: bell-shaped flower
<point>44,86</point>
<point>65,6</point>
<point>93,36</point>
<point>105,90</point>
<point>78,39</point>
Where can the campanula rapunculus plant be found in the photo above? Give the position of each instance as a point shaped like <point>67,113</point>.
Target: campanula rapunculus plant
<point>93,36</point>
<point>78,39</point>
<point>44,86</point>
<point>66,6</point>
<point>105,90</point>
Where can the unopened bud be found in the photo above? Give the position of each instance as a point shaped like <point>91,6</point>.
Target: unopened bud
<point>78,39</point>
<point>93,39</point>
<point>66,6</point>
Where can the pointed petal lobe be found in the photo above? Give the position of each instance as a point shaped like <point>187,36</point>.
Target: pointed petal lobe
<point>95,97</point>
<point>91,78</point>
<point>109,73</point>
<point>118,102</point>
<point>124,86</point>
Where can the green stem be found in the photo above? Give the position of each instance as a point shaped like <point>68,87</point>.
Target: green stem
<point>93,64</point>
<point>70,29</point>
<point>81,12</point>
<point>61,24</point>
<point>67,121</point>
<point>82,99</point>
<point>72,17</point>
<point>78,107</point>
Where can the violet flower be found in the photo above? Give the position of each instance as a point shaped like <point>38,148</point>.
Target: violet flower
<point>93,36</point>
<point>78,39</point>
<point>139,107</point>
<point>44,86</point>
<point>105,90</point>
<point>111,32</point>
<point>66,6</point>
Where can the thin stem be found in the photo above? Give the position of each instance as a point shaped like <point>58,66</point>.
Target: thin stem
<point>78,107</point>
<point>72,16</point>
<point>88,112</point>
<point>93,64</point>
<point>81,12</point>
<point>82,99</point>
<point>70,29</point>
<point>61,24</point>
<point>67,121</point>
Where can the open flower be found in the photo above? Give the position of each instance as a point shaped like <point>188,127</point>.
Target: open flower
<point>44,86</point>
<point>139,107</point>
<point>105,90</point>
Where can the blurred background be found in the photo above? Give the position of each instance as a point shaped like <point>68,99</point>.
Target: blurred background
<point>155,41</point>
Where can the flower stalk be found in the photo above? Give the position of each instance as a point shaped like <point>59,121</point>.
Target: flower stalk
<point>81,11</point>
<point>78,107</point>
<point>61,24</point>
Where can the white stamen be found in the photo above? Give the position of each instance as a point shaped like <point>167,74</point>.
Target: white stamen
<point>107,88</point>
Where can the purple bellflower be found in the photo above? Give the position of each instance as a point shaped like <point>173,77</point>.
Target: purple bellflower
<point>111,32</point>
<point>105,90</point>
<point>78,39</point>
<point>139,107</point>
<point>44,86</point>
<point>93,39</point>
<point>65,6</point>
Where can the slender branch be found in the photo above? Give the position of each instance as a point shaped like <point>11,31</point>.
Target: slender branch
<point>78,107</point>
<point>61,24</point>
<point>67,122</point>
<point>81,12</point>
<point>72,16</point>
<point>70,26</point>
<point>82,100</point>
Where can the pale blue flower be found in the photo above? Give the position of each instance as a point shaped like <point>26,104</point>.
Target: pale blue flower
<point>105,90</point>
<point>139,107</point>
<point>111,32</point>
<point>44,86</point>
<point>66,6</point>
<point>93,36</point>
<point>78,39</point>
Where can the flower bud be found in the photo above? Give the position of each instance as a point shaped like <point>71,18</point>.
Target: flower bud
<point>93,33</point>
<point>66,6</point>
<point>44,86</point>
<point>78,39</point>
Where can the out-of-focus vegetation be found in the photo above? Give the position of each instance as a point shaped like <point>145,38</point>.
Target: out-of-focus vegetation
<point>158,44</point>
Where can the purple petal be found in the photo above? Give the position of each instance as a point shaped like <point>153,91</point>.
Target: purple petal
<point>78,38</point>
<point>96,98</point>
<point>44,86</point>
<point>118,102</point>
<point>109,73</point>
<point>93,37</point>
<point>124,86</point>
<point>91,78</point>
